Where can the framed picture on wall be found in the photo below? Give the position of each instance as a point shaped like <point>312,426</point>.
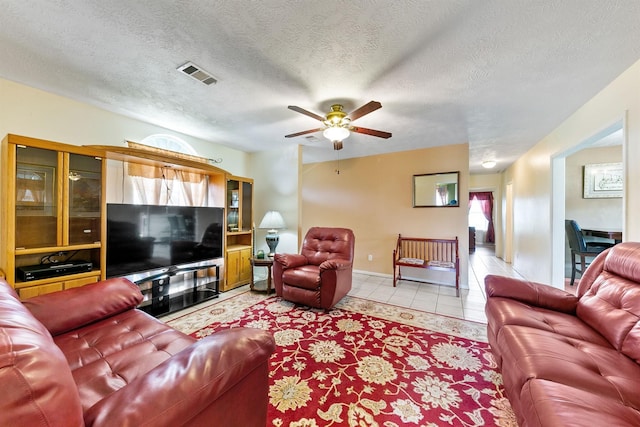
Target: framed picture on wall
<point>603,180</point>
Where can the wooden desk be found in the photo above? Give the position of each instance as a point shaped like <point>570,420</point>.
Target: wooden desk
<point>607,233</point>
<point>261,262</point>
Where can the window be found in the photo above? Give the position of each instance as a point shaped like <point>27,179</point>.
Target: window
<point>169,142</point>
<point>476,217</point>
<point>167,186</point>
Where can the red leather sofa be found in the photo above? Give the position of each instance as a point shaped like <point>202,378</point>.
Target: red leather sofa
<point>87,356</point>
<point>571,360</point>
<point>321,274</point>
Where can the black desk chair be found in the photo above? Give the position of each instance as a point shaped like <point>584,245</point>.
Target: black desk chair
<point>580,248</point>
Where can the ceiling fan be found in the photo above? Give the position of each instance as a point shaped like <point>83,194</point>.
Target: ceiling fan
<point>337,123</point>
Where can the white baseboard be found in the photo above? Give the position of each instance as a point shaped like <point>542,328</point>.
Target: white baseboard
<point>372,273</point>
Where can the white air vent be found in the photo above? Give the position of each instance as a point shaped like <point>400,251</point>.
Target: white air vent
<point>311,138</point>
<point>197,73</point>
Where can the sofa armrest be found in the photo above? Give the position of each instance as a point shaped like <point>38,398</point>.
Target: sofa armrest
<point>531,293</point>
<point>335,264</point>
<point>290,260</point>
<point>70,309</point>
<point>183,386</point>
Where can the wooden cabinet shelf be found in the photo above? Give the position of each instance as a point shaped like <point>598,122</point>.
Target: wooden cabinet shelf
<point>44,250</point>
<point>238,233</point>
<point>55,206</point>
<point>93,274</point>
<point>238,266</point>
<point>53,211</point>
<point>239,236</point>
<point>149,157</point>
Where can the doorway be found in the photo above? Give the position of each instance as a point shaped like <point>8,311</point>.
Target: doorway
<point>611,135</point>
<point>481,217</point>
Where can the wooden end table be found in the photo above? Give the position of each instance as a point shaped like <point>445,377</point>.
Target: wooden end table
<point>262,285</point>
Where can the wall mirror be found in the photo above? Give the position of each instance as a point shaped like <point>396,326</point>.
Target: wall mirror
<point>436,190</point>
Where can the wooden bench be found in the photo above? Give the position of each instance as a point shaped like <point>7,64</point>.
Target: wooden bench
<point>432,254</point>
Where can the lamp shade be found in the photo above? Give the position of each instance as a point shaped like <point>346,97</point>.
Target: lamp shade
<point>336,133</point>
<point>272,220</point>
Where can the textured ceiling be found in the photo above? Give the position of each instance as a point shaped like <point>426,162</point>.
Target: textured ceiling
<point>500,74</point>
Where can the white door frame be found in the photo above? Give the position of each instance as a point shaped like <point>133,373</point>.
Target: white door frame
<point>508,223</point>
<point>558,196</point>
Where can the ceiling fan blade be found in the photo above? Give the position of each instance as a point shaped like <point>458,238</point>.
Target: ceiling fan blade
<point>306,113</point>
<point>372,132</point>
<point>304,132</point>
<point>365,109</point>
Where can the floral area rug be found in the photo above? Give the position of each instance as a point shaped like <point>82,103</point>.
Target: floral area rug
<point>365,363</point>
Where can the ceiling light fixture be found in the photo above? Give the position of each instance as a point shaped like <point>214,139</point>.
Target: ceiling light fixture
<point>488,164</point>
<point>336,133</point>
<point>337,124</point>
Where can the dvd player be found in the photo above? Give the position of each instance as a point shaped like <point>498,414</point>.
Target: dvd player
<point>44,271</point>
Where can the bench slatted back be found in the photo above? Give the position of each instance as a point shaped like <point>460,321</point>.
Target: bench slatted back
<point>428,249</point>
<point>436,254</point>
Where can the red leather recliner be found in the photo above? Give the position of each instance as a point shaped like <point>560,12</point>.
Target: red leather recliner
<point>321,274</point>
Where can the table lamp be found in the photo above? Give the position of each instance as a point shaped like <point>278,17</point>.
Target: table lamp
<point>272,221</point>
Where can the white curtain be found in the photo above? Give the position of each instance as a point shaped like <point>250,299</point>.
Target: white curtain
<point>165,186</point>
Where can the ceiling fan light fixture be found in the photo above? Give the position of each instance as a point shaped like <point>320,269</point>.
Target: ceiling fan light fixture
<point>488,164</point>
<point>336,116</point>
<point>337,123</point>
<point>336,133</point>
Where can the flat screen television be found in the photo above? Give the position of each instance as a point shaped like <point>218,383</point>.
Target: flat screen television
<point>146,237</point>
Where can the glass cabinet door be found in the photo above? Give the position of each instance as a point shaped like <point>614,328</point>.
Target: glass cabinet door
<point>246,206</point>
<point>233,205</point>
<point>239,198</point>
<point>85,198</point>
<point>36,197</point>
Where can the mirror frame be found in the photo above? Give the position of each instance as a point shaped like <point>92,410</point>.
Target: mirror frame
<point>430,180</point>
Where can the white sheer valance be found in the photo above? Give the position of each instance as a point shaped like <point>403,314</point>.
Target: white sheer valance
<point>165,186</point>
<point>156,185</point>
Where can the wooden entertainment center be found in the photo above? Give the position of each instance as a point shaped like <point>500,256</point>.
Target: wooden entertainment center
<point>54,213</point>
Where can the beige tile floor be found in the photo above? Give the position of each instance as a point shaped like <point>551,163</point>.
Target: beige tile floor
<point>438,299</point>
<point>433,298</point>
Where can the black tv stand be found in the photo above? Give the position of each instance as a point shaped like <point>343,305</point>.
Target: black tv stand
<point>177,288</point>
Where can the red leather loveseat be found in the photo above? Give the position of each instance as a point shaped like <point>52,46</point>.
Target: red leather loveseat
<point>571,360</point>
<point>86,356</point>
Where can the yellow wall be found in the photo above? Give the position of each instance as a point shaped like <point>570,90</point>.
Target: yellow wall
<point>277,187</point>
<point>484,182</point>
<point>38,114</point>
<point>531,175</point>
<point>373,196</point>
